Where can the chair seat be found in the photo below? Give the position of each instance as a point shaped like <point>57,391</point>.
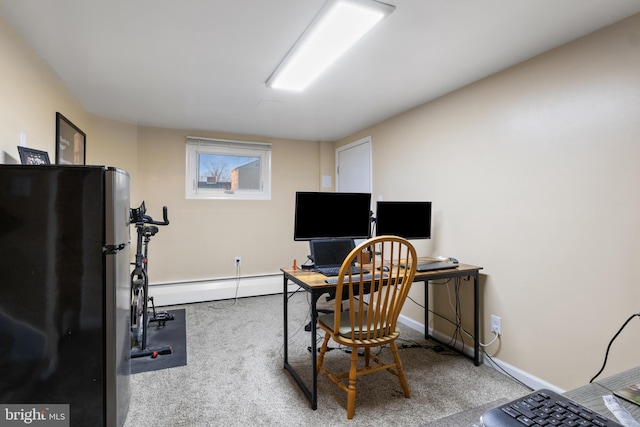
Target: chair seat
<point>345,325</point>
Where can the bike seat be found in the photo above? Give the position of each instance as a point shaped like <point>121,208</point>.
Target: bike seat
<point>150,230</point>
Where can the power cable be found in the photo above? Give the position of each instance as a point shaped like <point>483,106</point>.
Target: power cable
<point>611,342</point>
<point>457,323</point>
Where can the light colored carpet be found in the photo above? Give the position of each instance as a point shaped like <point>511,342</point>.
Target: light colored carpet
<point>235,377</point>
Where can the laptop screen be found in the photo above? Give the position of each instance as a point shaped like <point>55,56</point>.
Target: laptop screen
<point>330,252</point>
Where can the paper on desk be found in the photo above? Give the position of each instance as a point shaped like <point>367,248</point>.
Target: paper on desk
<point>619,411</point>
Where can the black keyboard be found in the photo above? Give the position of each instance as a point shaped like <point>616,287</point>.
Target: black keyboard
<point>334,271</point>
<point>365,277</point>
<point>544,408</point>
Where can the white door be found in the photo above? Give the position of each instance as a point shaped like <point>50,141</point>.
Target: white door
<point>353,167</point>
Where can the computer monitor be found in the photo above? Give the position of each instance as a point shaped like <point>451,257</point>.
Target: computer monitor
<point>411,220</point>
<point>325,215</point>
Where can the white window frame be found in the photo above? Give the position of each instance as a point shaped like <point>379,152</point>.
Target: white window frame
<point>196,146</point>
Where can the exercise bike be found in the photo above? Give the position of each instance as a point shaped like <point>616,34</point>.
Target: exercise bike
<point>146,227</point>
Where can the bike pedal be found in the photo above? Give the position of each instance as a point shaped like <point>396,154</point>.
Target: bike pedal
<point>166,351</point>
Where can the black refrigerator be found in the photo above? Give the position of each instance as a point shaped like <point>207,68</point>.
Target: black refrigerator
<point>64,294</point>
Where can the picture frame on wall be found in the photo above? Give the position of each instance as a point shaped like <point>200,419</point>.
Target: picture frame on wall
<point>70,142</point>
<point>29,156</point>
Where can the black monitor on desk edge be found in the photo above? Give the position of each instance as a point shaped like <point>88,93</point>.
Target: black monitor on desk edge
<point>411,220</point>
<point>326,215</point>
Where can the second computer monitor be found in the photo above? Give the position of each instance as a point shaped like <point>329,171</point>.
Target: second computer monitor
<point>411,220</point>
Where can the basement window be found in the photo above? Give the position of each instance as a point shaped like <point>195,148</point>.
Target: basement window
<point>226,169</point>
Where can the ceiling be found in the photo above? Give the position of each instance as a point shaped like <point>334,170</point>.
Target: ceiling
<point>202,64</point>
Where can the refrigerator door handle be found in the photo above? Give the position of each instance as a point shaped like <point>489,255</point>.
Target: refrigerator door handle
<point>112,249</point>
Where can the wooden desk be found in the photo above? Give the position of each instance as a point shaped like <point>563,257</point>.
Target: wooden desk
<point>314,283</point>
<point>591,395</point>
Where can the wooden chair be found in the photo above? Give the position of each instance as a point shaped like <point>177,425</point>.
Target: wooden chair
<point>370,320</point>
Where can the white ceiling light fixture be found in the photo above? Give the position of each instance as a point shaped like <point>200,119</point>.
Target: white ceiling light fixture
<point>336,27</point>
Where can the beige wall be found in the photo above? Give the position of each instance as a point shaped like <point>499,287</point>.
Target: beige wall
<point>30,96</point>
<point>114,143</point>
<point>534,174</point>
<point>205,235</point>
<point>327,164</point>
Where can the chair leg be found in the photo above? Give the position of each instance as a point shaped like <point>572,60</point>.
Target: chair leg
<point>403,379</point>
<point>323,350</point>
<point>367,356</point>
<point>351,390</point>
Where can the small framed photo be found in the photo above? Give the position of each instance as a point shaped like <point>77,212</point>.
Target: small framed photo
<point>29,156</point>
<point>70,142</point>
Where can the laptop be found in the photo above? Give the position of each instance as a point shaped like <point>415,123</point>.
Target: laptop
<point>328,254</point>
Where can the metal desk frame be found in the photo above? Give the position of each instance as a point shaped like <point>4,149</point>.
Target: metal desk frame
<point>314,284</point>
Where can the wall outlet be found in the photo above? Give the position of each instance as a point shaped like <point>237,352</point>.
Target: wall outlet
<point>237,261</point>
<point>496,324</point>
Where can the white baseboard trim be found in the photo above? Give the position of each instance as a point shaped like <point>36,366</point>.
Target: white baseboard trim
<point>527,379</point>
<point>216,289</point>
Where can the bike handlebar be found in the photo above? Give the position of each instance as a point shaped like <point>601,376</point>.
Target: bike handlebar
<point>139,216</point>
<point>165,219</point>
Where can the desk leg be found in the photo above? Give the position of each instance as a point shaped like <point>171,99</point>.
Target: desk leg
<point>312,394</point>
<point>426,309</point>
<point>285,293</point>
<point>476,319</point>
<point>314,350</point>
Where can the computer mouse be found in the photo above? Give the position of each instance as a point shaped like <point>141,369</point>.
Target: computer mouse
<point>384,268</point>
<point>453,260</point>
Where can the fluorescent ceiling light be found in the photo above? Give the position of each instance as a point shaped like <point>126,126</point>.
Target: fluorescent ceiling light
<point>337,27</point>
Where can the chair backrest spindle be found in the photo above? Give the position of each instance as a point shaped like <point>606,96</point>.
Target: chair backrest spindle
<point>374,305</point>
